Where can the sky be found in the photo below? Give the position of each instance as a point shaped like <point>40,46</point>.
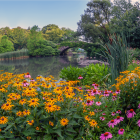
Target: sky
<point>25,13</point>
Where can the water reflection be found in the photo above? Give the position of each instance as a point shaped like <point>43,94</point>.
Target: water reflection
<point>44,66</point>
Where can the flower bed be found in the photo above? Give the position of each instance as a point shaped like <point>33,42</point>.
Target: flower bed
<point>64,111</point>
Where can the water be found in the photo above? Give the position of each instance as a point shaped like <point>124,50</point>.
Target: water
<point>44,66</point>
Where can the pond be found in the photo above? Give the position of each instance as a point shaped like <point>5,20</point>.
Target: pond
<point>44,66</point>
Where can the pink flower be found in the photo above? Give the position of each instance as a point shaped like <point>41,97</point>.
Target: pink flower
<point>102,118</point>
<point>25,83</point>
<point>98,103</point>
<point>139,106</point>
<point>114,98</point>
<point>109,91</point>
<point>105,136</point>
<point>112,123</point>
<point>119,119</point>
<point>117,91</point>
<point>96,86</point>
<point>89,102</point>
<point>120,132</point>
<point>106,93</point>
<point>130,113</point>
<point>94,92</point>
<point>138,123</point>
<point>103,114</point>
<point>27,75</point>
<point>93,84</point>
<point>113,113</point>
<point>118,112</point>
<point>80,77</point>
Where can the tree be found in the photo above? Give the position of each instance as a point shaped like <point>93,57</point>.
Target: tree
<point>52,33</point>
<point>18,37</point>
<point>6,45</point>
<point>128,23</point>
<point>69,35</point>
<point>92,24</point>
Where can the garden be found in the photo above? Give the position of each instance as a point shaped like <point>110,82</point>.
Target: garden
<point>91,103</point>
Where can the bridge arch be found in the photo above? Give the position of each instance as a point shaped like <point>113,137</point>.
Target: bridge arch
<point>63,49</point>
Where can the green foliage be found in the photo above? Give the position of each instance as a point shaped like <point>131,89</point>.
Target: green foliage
<point>92,23</point>
<point>41,48</point>
<point>93,73</point>
<point>6,45</point>
<point>117,55</point>
<point>71,73</point>
<point>90,48</point>
<point>126,20</point>
<point>96,73</point>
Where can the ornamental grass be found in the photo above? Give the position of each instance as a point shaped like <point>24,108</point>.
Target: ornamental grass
<point>42,109</point>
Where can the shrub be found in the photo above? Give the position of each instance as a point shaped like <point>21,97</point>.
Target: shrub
<point>92,73</point>
<point>42,48</point>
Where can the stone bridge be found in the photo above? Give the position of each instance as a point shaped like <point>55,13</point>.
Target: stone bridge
<point>63,49</point>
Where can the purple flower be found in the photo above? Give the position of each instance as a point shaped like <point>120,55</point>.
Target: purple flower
<point>118,112</point>
<point>105,136</point>
<point>98,103</point>
<point>117,91</point>
<point>94,92</point>
<point>112,123</point>
<point>130,113</point>
<point>120,132</point>
<point>106,93</point>
<point>102,118</point>
<point>139,106</point>
<point>119,119</point>
<point>80,77</point>
<point>27,76</point>
<point>113,113</point>
<point>89,102</point>
<point>138,123</point>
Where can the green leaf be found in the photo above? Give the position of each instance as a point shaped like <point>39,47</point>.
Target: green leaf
<point>9,126</point>
<point>58,131</point>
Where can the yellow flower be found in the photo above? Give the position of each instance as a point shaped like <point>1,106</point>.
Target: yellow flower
<point>64,121</point>
<point>87,118</point>
<point>0,130</point>
<point>93,123</point>
<point>91,113</point>
<point>26,112</point>
<point>69,94</point>
<point>7,106</point>
<point>37,128</point>
<point>22,101</point>
<point>19,113</point>
<point>33,102</point>
<point>49,107</point>
<point>3,120</point>
<point>30,122</point>
<point>51,123</point>
<point>28,138</point>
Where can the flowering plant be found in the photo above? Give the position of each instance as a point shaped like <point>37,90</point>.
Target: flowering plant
<point>43,109</point>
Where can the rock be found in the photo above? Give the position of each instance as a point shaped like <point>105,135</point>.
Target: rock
<point>87,62</point>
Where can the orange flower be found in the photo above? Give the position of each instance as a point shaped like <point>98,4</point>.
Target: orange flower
<point>51,123</point>
<point>37,128</point>
<point>64,121</point>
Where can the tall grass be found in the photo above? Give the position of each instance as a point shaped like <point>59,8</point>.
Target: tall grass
<point>20,54</point>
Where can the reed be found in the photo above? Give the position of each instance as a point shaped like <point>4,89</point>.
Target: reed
<point>20,54</point>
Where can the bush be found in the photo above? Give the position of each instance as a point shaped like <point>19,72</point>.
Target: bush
<point>92,73</point>
<point>42,48</point>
